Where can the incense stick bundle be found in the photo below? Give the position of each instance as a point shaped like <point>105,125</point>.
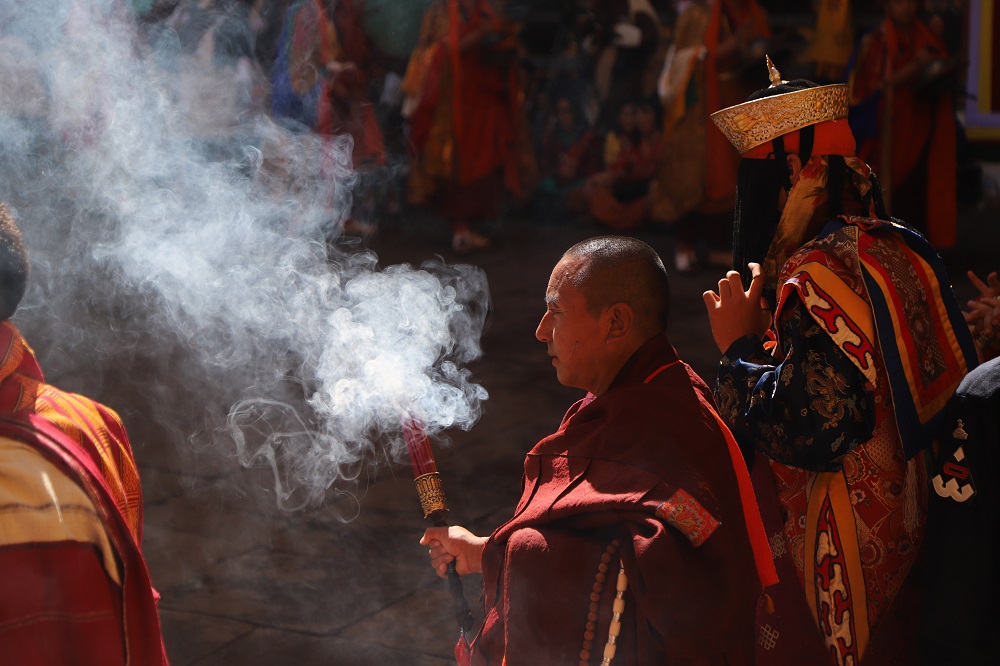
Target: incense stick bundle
<point>435,506</point>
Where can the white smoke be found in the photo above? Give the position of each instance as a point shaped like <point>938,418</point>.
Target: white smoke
<point>194,258</point>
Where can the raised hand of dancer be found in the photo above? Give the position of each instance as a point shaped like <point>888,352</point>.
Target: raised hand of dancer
<point>983,315</point>
<point>733,312</point>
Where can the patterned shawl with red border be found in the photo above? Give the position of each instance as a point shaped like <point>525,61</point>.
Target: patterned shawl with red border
<point>871,283</point>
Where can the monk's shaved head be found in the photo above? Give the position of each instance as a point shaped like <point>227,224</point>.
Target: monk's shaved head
<point>618,269</point>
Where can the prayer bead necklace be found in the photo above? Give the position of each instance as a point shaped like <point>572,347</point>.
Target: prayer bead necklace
<point>614,629</point>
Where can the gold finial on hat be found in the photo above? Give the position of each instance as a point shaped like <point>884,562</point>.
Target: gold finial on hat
<point>773,72</point>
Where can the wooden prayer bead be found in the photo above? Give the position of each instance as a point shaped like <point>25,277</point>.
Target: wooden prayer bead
<point>618,608</point>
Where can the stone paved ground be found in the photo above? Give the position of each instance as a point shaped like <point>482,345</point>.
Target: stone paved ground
<point>246,584</point>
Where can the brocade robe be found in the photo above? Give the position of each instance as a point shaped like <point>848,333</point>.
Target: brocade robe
<point>870,346</point>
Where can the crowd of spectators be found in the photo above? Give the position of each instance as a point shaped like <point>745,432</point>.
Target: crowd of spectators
<point>570,110</point>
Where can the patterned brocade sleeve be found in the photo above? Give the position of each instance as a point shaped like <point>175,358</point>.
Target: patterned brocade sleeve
<point>807,411</point>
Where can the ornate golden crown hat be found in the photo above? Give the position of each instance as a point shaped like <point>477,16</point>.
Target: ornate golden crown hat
<point>750,124</point>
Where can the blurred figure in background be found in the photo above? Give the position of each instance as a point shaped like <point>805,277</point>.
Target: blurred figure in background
<point>625,42</point>
<point>308,41</point>
<point>619,196</point>
<point>833,42</point>
<point>569,154</point>
<point>621,136</point>
<point>903,115</point>
<point>346,107</point>
<point>218,84</point>
<point>464,107</point>
<point>705,70</point>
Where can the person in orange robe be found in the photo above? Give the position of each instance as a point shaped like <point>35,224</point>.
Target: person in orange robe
<point>75,589</point>
<point>903,114</point>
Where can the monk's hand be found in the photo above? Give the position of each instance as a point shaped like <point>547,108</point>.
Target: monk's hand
<point>454,544</point>
<point>733,312</point>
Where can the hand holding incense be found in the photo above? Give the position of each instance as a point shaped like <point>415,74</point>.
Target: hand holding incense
<point>435,507</point>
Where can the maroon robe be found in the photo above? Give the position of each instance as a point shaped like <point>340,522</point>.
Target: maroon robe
<point>651,442</point>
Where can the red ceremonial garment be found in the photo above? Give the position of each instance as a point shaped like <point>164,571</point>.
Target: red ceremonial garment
<point>58,604</point>
<point>344,106</point>
<point>465,127</point>
<point>642,476</point>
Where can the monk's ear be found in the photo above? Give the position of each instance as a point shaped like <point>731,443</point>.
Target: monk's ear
<point>620,321</point>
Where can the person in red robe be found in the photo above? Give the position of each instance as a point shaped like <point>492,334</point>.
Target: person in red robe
<point>75,589</point>
<point>903,114</point>
<point>463,108</point>
<point>636,534</point>
<point>345,106</point>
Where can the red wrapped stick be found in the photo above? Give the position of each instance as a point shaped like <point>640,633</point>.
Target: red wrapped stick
<point>435,507</point>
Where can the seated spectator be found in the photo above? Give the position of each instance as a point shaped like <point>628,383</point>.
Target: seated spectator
<point>619,196</point>
<point>621,135</point>
<point>569,154</point>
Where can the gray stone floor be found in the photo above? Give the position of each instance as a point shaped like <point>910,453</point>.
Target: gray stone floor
<point>247,584</point>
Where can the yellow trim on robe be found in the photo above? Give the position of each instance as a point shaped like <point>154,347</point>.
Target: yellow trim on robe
<point>40,504</point>
<point>834,486</point>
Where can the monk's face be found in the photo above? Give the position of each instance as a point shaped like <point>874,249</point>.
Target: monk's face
<point>571,333</point>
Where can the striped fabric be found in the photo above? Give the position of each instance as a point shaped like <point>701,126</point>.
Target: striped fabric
<point>78,496</point>
<point>864,268</point>
<point>92,426</point>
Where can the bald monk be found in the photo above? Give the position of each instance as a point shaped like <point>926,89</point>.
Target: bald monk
<point>636,494</point>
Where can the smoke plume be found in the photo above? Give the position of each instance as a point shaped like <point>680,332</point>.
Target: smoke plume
<point>180,258</point>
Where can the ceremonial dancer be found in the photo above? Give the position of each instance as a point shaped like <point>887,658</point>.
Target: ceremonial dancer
<point>836,396</point>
